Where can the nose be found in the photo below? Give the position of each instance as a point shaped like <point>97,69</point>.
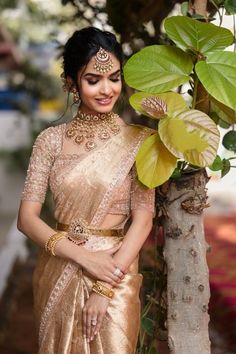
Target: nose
<point>105,88</point>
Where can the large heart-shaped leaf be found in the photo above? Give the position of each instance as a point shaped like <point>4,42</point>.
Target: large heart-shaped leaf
<point>190,34</point>
<point>154,162</point>
<point>218,76</point>
<point>192,136</point>
<point>174,101</point>
<point>158,68</point>
<point>223,112</point>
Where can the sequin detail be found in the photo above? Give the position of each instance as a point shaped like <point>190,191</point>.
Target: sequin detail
<point>48,166</point>
<point>45,149</point>
<point>122,170</point>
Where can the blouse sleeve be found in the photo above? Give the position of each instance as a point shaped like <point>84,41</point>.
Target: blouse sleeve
<point>141,196</point>
<point>41,160</point>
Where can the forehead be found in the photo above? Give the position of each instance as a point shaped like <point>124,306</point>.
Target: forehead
<point>90,66</point>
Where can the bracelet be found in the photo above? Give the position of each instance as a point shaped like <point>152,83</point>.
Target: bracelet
<point>52,241</point>
<point>100,289</point>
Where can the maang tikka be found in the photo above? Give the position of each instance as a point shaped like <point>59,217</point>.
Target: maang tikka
<point>103,61</point>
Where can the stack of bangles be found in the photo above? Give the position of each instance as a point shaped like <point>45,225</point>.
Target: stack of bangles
<point>101,289</point>
<point>52,241</point>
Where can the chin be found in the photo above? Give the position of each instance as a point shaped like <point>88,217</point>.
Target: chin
<point>104,109</point>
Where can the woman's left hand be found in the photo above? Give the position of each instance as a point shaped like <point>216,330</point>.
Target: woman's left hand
<point>93,313</point>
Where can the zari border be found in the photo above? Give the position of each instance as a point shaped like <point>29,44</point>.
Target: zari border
<point>61,284</point>
<point>71,268</point>
<point>122,170</point>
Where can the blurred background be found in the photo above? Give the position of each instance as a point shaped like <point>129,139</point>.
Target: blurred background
<point>32,33</point>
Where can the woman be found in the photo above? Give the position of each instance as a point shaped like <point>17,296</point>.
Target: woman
<point>86,283</point>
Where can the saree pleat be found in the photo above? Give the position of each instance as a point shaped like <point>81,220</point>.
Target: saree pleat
<point>61,288</point>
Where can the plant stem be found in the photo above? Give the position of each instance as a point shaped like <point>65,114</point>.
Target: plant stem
<point>196,81</point>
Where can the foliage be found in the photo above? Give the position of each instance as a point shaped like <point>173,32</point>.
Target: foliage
<point>153,319</point>
<point>187,134</point>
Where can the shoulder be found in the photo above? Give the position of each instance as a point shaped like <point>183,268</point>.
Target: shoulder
<point>134,127</point>
<point>50,138</point>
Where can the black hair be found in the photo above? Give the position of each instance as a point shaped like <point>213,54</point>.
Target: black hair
<point>83,45</point>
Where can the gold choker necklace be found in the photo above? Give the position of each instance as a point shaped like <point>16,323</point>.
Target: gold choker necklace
<point>85,128</point>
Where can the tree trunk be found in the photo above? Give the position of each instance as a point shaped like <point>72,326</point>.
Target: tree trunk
<point>185,254</point>
<point>200,7</point>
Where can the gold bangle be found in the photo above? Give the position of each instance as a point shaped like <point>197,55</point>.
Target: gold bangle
<point>52,241</point>
<point>99,288</point>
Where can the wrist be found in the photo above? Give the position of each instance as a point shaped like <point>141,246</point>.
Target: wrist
<point>68,249</point>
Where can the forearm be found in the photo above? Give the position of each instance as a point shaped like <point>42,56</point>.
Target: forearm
<point>39,232</point>
<point>133,242</point>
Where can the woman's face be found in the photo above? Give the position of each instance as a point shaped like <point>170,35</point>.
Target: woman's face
<point>99,91</point>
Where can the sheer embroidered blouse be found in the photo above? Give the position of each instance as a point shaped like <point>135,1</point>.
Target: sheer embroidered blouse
<point>48,167</point>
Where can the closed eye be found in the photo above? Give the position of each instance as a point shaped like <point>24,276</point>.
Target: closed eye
<point>92,82</point>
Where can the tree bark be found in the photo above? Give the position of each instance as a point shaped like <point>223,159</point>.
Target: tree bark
<point>185,254</point>
<point>200,7</point>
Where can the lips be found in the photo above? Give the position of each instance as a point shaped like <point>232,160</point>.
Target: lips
<point>104,101</point>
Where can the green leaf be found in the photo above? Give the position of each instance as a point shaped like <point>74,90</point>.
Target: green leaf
<point>223,124</point>
<point>217,164</point>
<point>230,7</point>
<point>184,8</point>
<point>223,112</point>
<point>148,325</point>
<point>226,167</point>
<point>192,136</point>
<point>154,162</point>
<point>229,141</point>
<point>176,174</point>
<point>175,102</point>
<point>158,68</point>
<point>200,37</point>
<point>218,76</point>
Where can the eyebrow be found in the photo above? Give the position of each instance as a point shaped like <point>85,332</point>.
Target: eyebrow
<point>99,75</point>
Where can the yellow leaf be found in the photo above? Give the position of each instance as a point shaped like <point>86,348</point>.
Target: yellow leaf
<point>155,163</point>
<point>174,103</point>
<point>192,136</point>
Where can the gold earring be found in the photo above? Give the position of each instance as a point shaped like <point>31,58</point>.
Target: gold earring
<point>76,96</point>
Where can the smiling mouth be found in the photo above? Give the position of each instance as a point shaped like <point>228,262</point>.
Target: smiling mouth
<point>104,100</point>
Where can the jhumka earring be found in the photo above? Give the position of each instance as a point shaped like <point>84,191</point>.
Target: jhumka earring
<point>76,96</point>
<point>103,61</point>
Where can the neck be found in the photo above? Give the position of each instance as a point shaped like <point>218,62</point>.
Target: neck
<point>90,112</point>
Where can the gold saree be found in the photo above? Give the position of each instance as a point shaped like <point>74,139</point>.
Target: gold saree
<point>60,287</point>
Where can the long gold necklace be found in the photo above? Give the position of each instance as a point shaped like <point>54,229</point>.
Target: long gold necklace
<point>85,128</point>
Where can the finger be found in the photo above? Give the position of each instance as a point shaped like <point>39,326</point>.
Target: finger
<point>110,280</point>
<point>93,330</point>
<point>88,325</point>
<point>99,323</point>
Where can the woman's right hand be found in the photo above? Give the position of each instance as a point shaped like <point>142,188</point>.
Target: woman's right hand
<point>101,265</point>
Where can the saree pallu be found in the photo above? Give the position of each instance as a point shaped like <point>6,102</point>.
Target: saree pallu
<point>61,287</point>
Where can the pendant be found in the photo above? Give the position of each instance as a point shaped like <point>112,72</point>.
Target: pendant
<point>90,145</point>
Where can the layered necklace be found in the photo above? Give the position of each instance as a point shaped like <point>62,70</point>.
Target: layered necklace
<point>85,129</point>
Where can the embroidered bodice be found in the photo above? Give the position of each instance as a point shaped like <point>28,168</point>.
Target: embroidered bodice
<point>49,166</point>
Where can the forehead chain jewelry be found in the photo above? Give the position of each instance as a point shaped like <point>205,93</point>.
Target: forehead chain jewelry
<point>103,61</point>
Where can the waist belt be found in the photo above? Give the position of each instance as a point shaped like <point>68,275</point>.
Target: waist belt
<point>78,229</point>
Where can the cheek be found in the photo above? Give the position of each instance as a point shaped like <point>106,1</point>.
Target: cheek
<point>88,90</point>
<point>117,88</point>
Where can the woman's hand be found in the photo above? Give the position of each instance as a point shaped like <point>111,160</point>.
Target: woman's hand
<point>93,313</point>
<point>101,265</point>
